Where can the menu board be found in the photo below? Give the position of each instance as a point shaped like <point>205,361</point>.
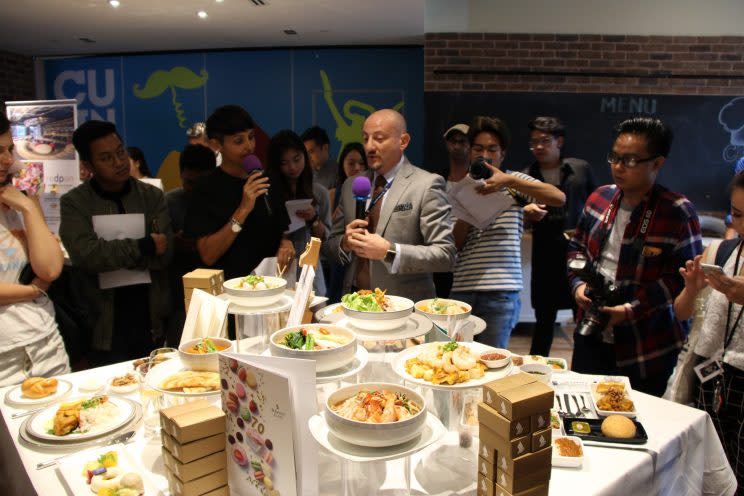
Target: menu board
<point>268,401</point>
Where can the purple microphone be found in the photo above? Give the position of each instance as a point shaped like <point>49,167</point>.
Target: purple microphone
<point>251,164</point>
<point>361,188</point>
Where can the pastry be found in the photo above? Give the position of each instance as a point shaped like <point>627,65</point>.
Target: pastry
<point>38,387</point>
<point>192,381</point>
<point>617,426</point>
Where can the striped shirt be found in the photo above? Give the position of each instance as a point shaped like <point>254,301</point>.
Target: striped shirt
<point>491,258</point>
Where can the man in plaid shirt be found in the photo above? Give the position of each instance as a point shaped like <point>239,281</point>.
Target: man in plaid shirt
<point>637,234</point>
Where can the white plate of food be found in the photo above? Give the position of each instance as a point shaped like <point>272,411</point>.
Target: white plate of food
<point>123,384</point>
<point>357,364</point>
<point>109,466</point>
<point>613,398</point>
<point>255,291</point>
<point>52,390</point>
<point>173,377</point>
<point>559,365</point>
<point>81,418</point>
<point>568,451</point>
<point>430,433</point>
<point>428,360</point>
<point>376,310</point>
<point>329,346</point>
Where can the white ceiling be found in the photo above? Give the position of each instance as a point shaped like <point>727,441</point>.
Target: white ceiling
<point>53,27</point>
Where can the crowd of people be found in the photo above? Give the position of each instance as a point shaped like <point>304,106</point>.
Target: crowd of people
<point>626,257</point>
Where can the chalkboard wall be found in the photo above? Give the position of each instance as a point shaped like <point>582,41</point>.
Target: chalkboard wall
<point>709,132</point>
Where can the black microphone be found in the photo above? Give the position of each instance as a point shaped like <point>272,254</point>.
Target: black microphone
<point>361,188</point>
<point>252,164</point>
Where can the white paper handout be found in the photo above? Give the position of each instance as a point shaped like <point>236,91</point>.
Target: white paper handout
<point>206,316</point>
<point>476,209</point>
<point>153,181</point>
<point>268,402</point>
<point>121,226</point>
<point>293,206</point>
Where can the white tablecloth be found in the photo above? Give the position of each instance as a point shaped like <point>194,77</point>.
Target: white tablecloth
<point>683,456</point>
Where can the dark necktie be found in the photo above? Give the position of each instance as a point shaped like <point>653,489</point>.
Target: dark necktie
<point>363,276</point>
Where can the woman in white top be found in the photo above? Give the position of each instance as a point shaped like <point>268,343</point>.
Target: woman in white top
<point>721,337</point>
<point>30,342</point>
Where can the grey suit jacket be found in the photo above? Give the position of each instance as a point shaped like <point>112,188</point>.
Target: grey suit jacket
<point>416,215</point>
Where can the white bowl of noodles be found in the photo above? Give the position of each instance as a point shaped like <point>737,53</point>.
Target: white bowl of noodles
<point>443,311</point>
<point>352,415</point>
<point>255,291</point>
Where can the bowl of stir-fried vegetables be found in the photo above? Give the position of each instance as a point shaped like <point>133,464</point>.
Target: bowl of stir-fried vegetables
<point>375,310</point>
<point>255,291</point>
<point>201,354</point>
<point>332,347</point>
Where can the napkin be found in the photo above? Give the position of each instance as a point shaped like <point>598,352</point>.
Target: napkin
<point>207,316</point>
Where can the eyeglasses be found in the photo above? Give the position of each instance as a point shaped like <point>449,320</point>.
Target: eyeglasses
<point>546,141</point>
<point>628,161</point>
<point>489,149</point>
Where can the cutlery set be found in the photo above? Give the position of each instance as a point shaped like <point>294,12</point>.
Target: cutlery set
<point>568,405</point>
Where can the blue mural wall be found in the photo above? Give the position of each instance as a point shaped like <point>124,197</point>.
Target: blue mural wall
<point>153,99</point>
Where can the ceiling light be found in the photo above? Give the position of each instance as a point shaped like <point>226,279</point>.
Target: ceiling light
<point>202,14</point>
<point>290,32</point>
<point>219,1</point>
<point>114,3</point>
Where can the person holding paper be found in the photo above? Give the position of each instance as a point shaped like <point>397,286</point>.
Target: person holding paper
<point>407,234</point>
<point>549,224</point>
<point>288,160</point>
<point>117,232</point>
<point>234,219</point>
<point>488,272</point>
<point>30,257</point>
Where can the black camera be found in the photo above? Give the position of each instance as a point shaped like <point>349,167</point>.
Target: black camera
<point>601,291</point>
<point>479,170</point>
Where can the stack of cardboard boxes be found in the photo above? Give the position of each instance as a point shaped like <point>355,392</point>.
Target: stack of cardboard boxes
<point>515,449</point>
<point>193,436</point>
<point>208,280</point>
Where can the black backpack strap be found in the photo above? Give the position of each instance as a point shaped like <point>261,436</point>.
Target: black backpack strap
<point>725,249</point>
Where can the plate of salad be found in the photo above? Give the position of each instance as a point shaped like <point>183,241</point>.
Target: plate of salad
<point>331,346</point>
<point>375,310</point>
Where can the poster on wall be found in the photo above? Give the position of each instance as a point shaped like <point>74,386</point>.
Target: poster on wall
<point>47,164</point>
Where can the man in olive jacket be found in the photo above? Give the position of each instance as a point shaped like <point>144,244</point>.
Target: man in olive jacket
<point>130,317</point>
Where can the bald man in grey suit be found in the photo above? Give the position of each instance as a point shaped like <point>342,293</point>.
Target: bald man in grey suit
<point>413,234</point>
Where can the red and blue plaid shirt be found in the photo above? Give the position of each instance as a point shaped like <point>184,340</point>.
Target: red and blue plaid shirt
<point>647,272</point>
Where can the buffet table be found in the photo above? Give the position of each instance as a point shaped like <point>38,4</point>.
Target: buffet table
<point>683,456</point>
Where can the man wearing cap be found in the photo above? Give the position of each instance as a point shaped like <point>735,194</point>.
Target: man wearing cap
<point>407,234</point>
<point>458,153</point>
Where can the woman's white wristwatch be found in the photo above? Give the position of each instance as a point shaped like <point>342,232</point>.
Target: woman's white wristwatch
<point>235,225</point>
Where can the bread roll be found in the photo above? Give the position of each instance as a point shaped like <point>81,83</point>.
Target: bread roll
<point>617,426</point>
<point>38,387</point>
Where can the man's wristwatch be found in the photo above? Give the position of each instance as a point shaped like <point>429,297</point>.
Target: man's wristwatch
<point>235,225</point>
<point>390,255</point>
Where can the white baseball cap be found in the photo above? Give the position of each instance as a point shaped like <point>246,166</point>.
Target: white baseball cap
<point>463,128</point>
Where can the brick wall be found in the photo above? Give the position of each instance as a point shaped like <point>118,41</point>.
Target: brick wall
<point>16,77</point>
<point>689,65</point>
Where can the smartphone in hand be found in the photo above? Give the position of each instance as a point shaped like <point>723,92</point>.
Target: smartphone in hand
<point>711,269</point>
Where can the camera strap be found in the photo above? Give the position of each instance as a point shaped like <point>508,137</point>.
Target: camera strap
<point>644,223</point>
<point>730,331</point>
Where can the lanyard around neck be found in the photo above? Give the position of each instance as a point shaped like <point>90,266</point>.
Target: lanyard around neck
<point>380,195</point>
<point>729,335</point>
